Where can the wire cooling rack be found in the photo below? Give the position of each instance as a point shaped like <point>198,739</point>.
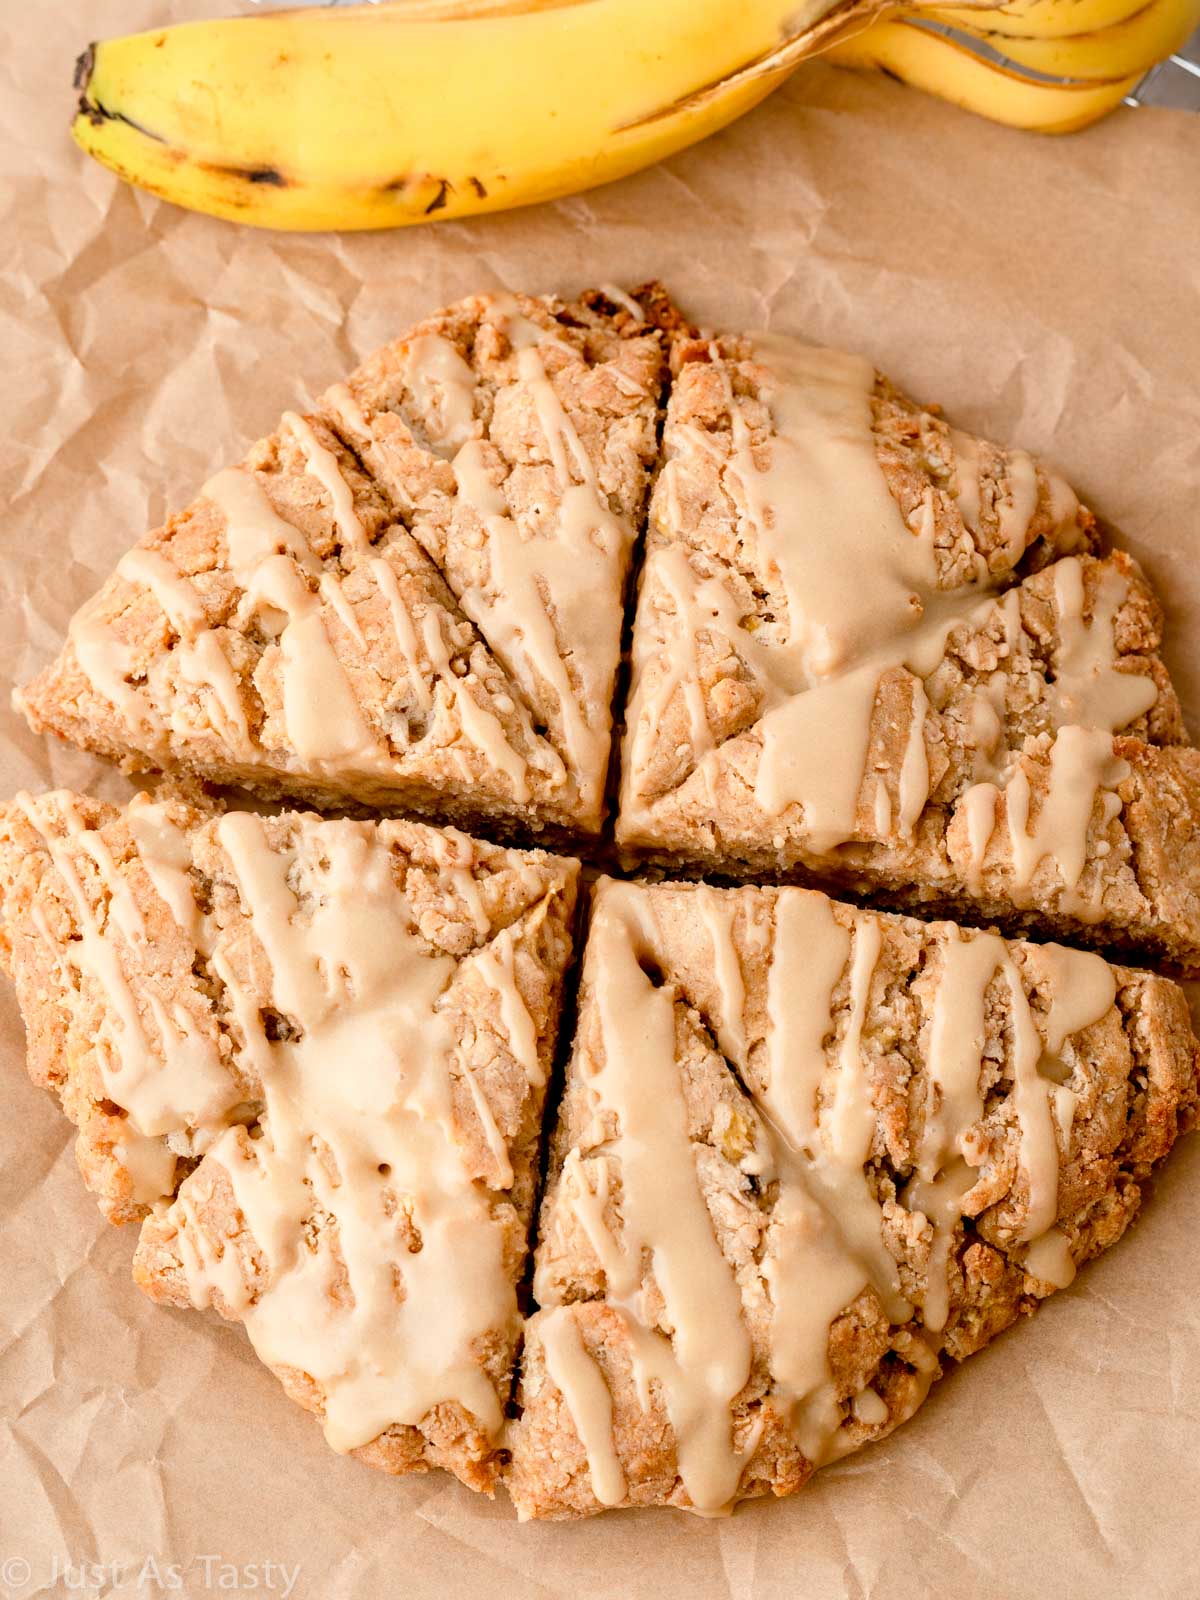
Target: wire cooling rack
<point>1174,82</point>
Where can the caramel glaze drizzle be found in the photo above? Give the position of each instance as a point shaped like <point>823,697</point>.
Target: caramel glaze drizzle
<point>812,1086</point>
<point>367,1253</point>
<point>539,612</point>
<point>863,599</point>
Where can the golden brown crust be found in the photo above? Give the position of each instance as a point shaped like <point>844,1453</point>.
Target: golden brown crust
<point>1132,1074</point>
<point>456,740</point>
<point>383,435</point>
<point>694,743</point>
<point>468,901</point>
<point>69,1019</point>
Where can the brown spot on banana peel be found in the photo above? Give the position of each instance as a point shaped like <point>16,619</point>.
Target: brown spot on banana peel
<point>266,175</point>
<point>140,182</point>
<point>271,176</point>
<point>408,185</point>
<point>445,188</point>
<point>237,185</point>
<point>97,114</point>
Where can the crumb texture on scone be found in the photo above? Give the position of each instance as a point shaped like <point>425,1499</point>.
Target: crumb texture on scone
<point>875,650</point>
<point>805,1155</point>
<point>411,598</point>
<point>311,1056</point>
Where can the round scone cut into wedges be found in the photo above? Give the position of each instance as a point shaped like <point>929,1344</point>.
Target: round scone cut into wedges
<point>806,1155</point>
<point>409,599</point>
<point>875,651</point>
<point>311,1057</point>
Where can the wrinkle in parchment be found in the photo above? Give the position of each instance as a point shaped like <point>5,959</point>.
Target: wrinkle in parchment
<point>1045,292</point>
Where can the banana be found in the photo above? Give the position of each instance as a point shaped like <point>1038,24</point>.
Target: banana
<point>1132,46</point>
<point>374,117</point>
<point>365,117</point>
<point>949,68</point>
<point>1040,19</point>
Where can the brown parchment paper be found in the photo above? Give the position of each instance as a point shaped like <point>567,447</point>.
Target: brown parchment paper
<point>1047,292</point>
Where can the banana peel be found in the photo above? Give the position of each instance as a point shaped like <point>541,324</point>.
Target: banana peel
<point>1131,46</point>
<point>949,67</point>
<point>1040,19</point>
<point>373,117</point>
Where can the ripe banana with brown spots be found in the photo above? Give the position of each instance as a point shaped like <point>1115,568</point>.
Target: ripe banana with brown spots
<point>375,116</point>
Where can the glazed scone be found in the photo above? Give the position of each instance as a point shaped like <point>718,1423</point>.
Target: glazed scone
<point>806,1155</point>
<point>874,651</point>
<point>410,599</point>
<point>311,1057</point>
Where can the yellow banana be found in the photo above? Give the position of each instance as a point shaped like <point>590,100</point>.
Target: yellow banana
<point>1040,19</point>
<point>1127,47</point>
<point>949,68</point>
<point>371,117</point>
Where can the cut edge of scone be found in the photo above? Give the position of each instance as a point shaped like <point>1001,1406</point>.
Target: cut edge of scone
<point>806,1156</point>
<point>967,713</point>
<point>310,1056</point>
<point>411,598</point>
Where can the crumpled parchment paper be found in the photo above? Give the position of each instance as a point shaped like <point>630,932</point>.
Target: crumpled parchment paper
<point>1045,292</point>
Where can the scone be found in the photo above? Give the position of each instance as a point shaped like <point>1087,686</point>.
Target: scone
<point>311,1057</point>
<point>874,651</point>
<point>806,1155</point>
<point>410,599</point>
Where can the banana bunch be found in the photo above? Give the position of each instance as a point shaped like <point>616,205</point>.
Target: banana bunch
<point>376,116</point>
<point>1048,65</point>
<point>373,116</point>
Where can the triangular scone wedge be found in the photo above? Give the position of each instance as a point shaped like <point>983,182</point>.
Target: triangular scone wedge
<point>311,1055</point>
<point>409,599</point>
<point>872,650</point>
<point>807,1155</point>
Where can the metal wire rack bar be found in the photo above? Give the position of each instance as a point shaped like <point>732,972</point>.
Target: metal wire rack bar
<point>1173,82</point>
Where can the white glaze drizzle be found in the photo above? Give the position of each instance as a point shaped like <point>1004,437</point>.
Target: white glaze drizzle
<point>618,297</point>
<point>541,604</point>
<point>480,725</point>
<point>403,630</point>
<point>175,1082</point>
<point>1090,701</point>
<point>718,912</point>
<point>825,1244</point>
<point>573,562</point>
<point>109,664</point>
<point>813,508</point>
<point>321,463</point>
<point>386,1332</point>
<point>443,387</point>
<point>496,964</point>
<point>1014,511</point>
<point>357,1125</point>
<point>273,565</point>
<point>705,1362</point>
